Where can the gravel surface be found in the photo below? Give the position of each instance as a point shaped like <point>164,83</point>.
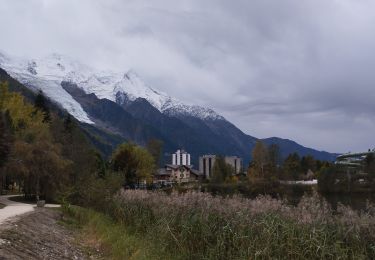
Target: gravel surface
<point>38,235</point>
<point>12,208</point>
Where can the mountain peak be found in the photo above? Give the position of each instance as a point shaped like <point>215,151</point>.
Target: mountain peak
<point>56,68</point>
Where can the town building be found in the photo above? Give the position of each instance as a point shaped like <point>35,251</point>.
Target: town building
<point>354,162</point>
<point>176,174</point>
<point>180,171</point>
<point>354,159</point>
<point>181,157</point>
<point>207,162</point>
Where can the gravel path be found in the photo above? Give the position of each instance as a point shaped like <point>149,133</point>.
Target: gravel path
<point>28,232</point>
<point>13,208</point>
<point>38,235</point>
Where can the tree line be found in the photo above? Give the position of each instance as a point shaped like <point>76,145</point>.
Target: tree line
<point>267,164</point>
<point>48,156</point>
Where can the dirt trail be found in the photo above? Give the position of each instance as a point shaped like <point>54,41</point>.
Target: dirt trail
<point>37,235</point>
<point>12,208</point>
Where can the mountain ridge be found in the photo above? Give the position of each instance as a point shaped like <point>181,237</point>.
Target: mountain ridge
<point>124,104</point>
<point>56,68</point>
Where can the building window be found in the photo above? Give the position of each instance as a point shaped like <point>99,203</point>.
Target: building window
<point>209,166</point>
<point>204,166</point>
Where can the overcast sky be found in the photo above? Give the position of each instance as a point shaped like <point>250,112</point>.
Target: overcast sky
<point>302,70</point>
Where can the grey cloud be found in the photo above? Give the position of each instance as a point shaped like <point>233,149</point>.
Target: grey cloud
<point>296,69</point>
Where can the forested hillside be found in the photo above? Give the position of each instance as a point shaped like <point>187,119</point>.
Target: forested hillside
<point>45,153</point>
<point>104,141</point>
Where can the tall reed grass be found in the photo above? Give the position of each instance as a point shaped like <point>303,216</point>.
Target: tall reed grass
<point>197,225</point>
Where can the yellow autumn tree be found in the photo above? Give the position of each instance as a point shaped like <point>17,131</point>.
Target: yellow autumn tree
<point>134,163</point>
<point>259,159</point>
<point>35,157</point>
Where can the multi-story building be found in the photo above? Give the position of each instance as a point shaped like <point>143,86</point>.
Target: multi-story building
<point>180,171</point>
<point>207,162</point>
<point>235,162</point>
<point>176,174</point>
<point>181,157</point>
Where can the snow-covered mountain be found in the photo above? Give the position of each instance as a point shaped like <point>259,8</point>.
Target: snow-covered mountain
<point>118,106</point>
<point>48,73</point>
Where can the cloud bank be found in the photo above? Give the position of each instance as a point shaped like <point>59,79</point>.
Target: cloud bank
<point>301,70</point>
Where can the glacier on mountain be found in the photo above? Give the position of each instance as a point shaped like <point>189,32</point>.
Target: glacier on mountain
<point>47,73</point>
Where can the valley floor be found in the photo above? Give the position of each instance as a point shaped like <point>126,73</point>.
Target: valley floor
<point>38,235</point>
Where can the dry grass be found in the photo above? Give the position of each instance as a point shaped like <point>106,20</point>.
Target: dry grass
<point>200,226</point>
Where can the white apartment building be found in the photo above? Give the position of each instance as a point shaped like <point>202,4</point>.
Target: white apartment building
<point>181,157</point>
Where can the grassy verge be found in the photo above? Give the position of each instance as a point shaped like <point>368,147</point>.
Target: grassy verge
<point>103,236</point>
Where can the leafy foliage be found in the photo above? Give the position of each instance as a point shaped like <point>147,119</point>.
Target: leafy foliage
<point>155,148</point>
<point>47,156</point>
<point>33,146</point>
<point>133,162</point>
<point>265,163</point>
<point>221,171</point>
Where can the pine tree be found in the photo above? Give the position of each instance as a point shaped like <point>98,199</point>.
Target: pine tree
<point>68,124</point>
<point>292,166</point>
<point>4,140</point>
<point>41,104</point>
<point>5,137</point>
<point>5,146</point>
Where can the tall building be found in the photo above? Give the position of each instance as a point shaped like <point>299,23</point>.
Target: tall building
<point>207,162</point>
<point>181,157</point>
<point>235,162</point>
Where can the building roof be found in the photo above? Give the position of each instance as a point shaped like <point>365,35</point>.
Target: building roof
<point>214,156</point>
<point>174,166</point>
<point>166,172</point>
<point>196,172</point>
<point>162,172</point>
<point>182,151</point>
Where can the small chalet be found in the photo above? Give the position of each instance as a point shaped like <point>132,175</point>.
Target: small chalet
<point>180,171</point>
<point>176,174</point>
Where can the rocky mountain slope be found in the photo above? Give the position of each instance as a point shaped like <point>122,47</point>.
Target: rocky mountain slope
<point>121,103</point>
